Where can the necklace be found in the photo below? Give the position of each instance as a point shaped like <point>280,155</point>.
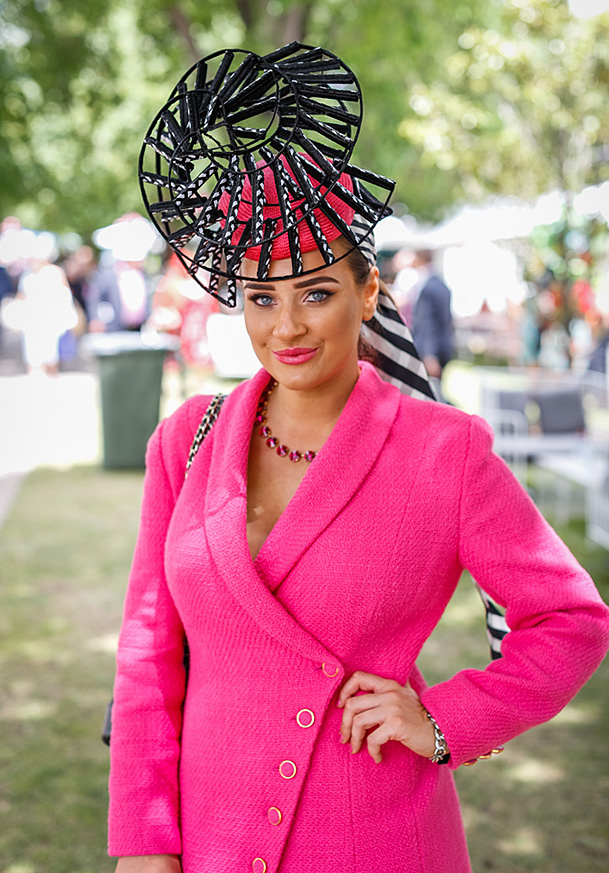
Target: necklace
<point>264,430</point>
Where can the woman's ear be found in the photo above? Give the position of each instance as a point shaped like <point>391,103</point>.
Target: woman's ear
<point>371,293</point>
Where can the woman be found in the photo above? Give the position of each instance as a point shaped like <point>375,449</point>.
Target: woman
<point>307,557</point>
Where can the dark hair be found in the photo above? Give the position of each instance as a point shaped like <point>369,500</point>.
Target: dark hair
<point>360,268</point>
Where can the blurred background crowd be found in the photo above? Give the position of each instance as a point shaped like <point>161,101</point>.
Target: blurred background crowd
<point>492,118</point>
<point>505,289</point>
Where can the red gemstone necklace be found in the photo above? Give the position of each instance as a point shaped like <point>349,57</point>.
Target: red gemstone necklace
<point>264,430</point>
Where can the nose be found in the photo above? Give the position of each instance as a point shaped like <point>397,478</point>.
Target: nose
<point>288,324</point>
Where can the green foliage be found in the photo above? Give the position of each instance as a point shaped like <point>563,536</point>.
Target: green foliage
<point>82,80</point>
<point>460,99</point>
<point>523,105</point>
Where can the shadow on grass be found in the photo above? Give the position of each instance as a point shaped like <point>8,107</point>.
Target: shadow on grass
<point>65,553</point>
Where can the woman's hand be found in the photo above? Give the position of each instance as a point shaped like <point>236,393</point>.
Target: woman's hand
<point>149,864</point>
<point>389,710</point>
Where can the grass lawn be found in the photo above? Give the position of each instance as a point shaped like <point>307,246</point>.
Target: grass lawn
<point>64,557</point>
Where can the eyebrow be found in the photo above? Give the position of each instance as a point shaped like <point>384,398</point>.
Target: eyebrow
<point>306,283</point>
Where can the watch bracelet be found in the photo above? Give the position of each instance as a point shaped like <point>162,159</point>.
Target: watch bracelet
<point>441,753</point>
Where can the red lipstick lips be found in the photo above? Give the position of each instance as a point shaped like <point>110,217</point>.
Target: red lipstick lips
<point>295,356</point>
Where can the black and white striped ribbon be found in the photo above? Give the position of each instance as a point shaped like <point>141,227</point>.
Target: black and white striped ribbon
<point>398,362</point>
<point>496,625</point>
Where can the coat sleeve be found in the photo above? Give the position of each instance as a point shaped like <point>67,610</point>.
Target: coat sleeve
<point>150,678</point>
<point>559,624</point>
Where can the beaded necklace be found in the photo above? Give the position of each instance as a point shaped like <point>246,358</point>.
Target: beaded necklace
<point>264,430</point>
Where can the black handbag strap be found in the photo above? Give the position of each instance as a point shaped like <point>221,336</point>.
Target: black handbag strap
<point>211,414</point>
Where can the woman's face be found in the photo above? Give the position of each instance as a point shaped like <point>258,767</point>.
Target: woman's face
<point>305,330</point>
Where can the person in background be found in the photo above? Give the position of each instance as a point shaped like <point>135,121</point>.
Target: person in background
<point>599,355</point>
<point>80,267</point>
<point>42,311</point>
<point>180,307</point>
<point>118,297</point>
<point>428,314</point>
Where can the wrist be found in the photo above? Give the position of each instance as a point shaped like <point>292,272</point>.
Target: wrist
<point>441,753</point>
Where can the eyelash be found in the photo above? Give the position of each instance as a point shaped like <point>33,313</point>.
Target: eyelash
<point>257,298</point>
<point>327,294</point>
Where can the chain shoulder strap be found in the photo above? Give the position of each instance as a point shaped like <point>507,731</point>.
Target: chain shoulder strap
<point>211,414</point>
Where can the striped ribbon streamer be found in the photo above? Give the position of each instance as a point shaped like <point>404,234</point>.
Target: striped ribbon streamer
<point>398,362</point>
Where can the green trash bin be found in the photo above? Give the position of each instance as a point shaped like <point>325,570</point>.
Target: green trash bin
<point>131,374</point>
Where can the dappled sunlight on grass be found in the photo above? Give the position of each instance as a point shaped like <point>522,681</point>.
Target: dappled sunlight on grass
<point>106,643</point>
<point>27,710</point>
<point>578,713</point>
<point>464,614</point>
<point>526,841</point>
<point>65,551</point>
<point>538,772</point>
<point>41,651</point>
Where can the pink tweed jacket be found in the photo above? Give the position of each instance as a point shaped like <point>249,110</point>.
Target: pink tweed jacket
<point>245,771</point>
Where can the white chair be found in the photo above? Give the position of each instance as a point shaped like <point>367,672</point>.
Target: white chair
<point>597,499</point>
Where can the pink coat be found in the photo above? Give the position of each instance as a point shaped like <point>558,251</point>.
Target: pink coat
<point>355,575</point>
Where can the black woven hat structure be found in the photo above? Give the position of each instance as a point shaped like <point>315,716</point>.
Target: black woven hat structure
<point>234,114</point>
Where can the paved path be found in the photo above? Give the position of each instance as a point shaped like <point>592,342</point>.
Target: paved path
<point>45,422</point>
<point>9,488</point>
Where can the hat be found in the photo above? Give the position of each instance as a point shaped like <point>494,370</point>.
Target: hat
<point>250,157</point>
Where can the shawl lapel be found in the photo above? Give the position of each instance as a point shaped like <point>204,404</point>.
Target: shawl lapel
<point>332,479</point>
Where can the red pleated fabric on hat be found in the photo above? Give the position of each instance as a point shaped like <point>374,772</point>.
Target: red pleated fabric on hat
<point>272,209</point>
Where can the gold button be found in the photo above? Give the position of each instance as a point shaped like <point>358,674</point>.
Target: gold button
<point>274,815</point>
<point>287,769</point>
<point>305,718</point>
<point>259,865</point>
<point>329,670</point>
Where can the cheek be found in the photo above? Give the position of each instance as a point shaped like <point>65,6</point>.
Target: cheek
<point>345,321</point>
<point>256,326</point>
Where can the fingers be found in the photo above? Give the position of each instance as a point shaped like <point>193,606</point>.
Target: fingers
<point>361,681</point>
<point>376,739</point>
<point>386,711</point>
<point>355,728</point>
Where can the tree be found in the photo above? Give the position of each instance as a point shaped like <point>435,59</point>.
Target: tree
<point>81,79</point>
<point>523,106</point>
<point>523,110</point>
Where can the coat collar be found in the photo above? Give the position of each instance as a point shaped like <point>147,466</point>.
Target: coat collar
<point>331,481</point>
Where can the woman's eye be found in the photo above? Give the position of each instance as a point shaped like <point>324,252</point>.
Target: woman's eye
<point>261,299</point>
<point>318,296</point>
